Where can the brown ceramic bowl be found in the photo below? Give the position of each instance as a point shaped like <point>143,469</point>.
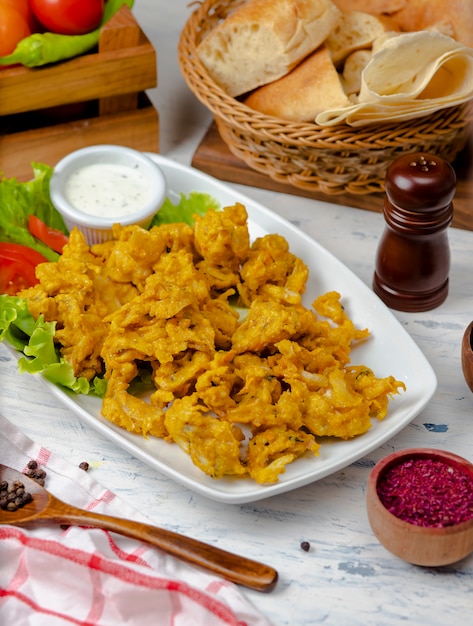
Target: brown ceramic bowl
<point>429,546</point>
<point>467,355</point>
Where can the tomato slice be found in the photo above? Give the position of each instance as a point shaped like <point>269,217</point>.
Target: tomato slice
<point>52,237</point>
<point>17,267</point>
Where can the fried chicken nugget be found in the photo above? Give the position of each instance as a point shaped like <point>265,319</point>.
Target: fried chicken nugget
<point>293,361</point>
<point>345,407</point>
<point>224,320</point>
<point>213,444</point>
<point>376,391</point>
<point>128,411</point>
<point>223,241</point>
<point>272,272</point>
<point>269,322</point>
<point>337,338</point>
<point>257,391</point>
<point>270,450</point>
<point>214,387</point>
<point>136,251</point>
<point>222,237</point>
<point>178,377</point>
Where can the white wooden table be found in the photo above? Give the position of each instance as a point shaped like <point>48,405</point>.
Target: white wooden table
<point>347,577</point>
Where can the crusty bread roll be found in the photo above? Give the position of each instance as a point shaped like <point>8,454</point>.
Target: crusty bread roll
<point>452,17</point>
<point>375,7</point>
<point>311,87</point>
<point>352,69</point>
<point>263,40</point>
<point>354,30</point>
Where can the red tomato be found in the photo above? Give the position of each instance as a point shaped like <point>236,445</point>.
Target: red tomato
<point>52,237</point>
<point>68,17</point>
<point>17,267</point>
<point>13,28</point>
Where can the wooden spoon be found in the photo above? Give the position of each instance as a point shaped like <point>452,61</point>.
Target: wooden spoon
<point>467,355</point>
<point>45,507</point>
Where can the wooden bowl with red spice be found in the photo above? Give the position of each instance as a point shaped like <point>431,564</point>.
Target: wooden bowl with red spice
<point>420,506</point>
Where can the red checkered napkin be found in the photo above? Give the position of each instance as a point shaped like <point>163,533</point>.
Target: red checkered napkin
<point>55,577</point>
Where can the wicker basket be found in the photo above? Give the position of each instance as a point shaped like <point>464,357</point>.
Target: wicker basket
<point>332,160</point>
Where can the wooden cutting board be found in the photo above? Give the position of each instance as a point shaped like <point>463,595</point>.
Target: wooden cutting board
<point>213,157</point>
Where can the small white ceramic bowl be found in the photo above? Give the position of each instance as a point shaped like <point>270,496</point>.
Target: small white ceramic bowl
<point>428,546</point>
<point>96,187</point>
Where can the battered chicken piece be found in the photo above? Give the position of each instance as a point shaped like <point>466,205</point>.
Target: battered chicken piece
<point>223,241</point>
<point>293,361</point>
<point>271,450</point>
<point>222,237</point>
<point>130,412</point>
<point>178,377</point>
<point>256,393</point>
<point>213,444</point>
<point>214,387</point>
<point>268,322</point>
<point>224,320</point>
<point>272,272</point>
<point>136,251</point>
<point>343,409</point>
<point>338,337</point>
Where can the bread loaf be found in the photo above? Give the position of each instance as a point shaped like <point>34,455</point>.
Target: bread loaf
<point>311,87</point>
<point>375,7</point>
<point>355,30</point>
<point>263,40</point>
<point>452,17</point>
<point>354,66</point>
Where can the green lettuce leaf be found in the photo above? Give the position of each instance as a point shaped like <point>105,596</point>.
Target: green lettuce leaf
<point>35,339</point>
<point>19,200</point>
<point>195,203</point>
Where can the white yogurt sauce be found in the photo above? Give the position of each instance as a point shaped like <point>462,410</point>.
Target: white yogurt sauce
<point>107,190</point>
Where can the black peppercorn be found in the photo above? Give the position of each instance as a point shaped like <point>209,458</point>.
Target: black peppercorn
<point>13,496</point>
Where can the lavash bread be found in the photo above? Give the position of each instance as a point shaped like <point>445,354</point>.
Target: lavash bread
<point>411,75</point>
<point>303,93</point>
<point>263,40</point>
<point>355,30</point>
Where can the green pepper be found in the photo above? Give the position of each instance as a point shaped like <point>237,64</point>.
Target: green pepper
<point>43,48</point>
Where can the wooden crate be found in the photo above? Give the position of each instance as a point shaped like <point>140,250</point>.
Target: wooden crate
<point>100,97</point>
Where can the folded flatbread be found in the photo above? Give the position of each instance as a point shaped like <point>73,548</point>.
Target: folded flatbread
<point>410,75</point>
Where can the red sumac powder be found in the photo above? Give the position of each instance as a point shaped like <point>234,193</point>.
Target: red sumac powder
<point>427,492</point>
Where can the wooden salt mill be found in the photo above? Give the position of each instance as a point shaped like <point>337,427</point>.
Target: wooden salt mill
<point>413,257</point>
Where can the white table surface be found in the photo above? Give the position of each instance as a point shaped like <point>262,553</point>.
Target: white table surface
<point>347,577</point>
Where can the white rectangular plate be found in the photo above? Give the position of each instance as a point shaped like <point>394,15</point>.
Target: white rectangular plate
<point>389,351</point>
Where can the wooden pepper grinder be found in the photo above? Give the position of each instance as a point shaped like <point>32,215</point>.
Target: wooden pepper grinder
<point>413,257</point>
